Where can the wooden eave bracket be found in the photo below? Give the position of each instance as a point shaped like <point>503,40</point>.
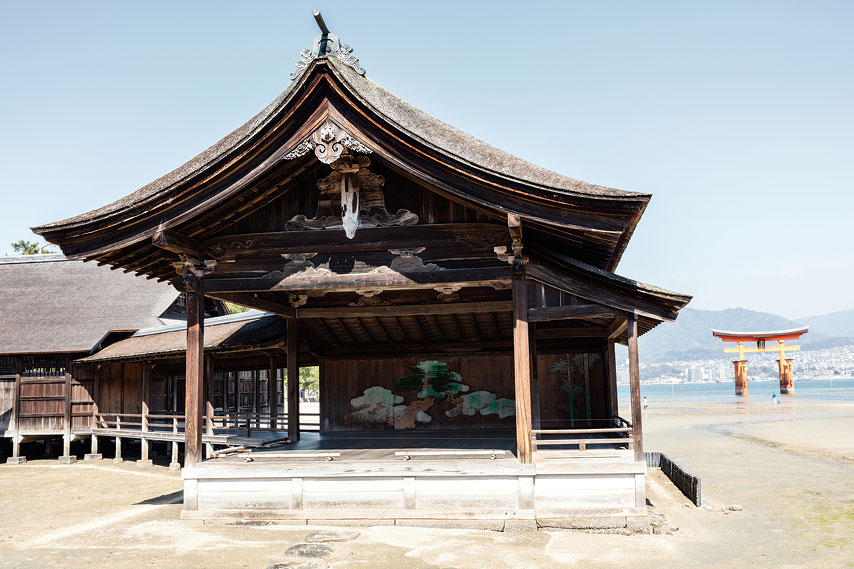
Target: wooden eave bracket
<point>174,242</point>
<point>514,226</point>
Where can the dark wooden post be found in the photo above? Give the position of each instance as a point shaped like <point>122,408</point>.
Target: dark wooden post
<point>194,378</point>
<point>256,397</point>
<point>634,381</point>
<point>611,355</point>
<point>146,392</point>
<point>521,362</point>
<point>293,379</point>
<point>209,408</point>
<point>66,457</point>
<point>272,391</point>
<point>16,457</point>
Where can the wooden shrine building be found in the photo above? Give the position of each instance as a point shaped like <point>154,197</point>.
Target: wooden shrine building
<point>461,303</point>
<point>53,312</point>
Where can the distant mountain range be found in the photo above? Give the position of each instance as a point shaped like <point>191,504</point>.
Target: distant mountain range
<point>690,337</point>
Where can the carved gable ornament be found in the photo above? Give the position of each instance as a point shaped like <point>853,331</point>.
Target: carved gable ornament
<point>328,143</point>
<point>351,197</point>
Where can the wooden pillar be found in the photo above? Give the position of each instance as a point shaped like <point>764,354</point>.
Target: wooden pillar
<point>612,377</point>
<point>16,457</point>
<point>740,367</point>
<point>256,396</point>
<point>521,362</point>
<point>272,391</point>
<point>66,457</point>
<point>226,389</point>
<point>94,441</point>
<point>118,458</point>
<point>146,391</point>
<point>194,378</point>
<point>174,464</point>
<point>293,379</point>
<point>209,408</point>
<point>634,381</point>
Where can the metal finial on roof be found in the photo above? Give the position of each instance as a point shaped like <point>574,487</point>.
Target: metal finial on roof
<point>326,45</point>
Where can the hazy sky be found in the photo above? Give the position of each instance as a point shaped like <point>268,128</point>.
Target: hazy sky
<point>737,116</point>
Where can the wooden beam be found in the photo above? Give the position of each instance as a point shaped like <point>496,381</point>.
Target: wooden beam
<point>634,382</point>
<point>476,236</point>
<point>602,292</point>
<point>194,377</point>
<point>315,280</point>
<point>560,333</point>
<point>521,363</point>
<point>293,380</point>
<point>418,348</point>
<point>616,329</point>
<point>247,299</point>
<point>405,310</point>
<point>174,242</point>
<point>574,311</point>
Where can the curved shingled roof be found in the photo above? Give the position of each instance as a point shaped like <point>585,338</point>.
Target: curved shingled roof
<point>439,136</point>
<point>53,305</point>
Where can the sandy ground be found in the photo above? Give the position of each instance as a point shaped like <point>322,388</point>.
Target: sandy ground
<point>791,468</point>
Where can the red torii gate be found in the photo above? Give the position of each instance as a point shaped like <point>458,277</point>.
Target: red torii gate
<point>787,379</point>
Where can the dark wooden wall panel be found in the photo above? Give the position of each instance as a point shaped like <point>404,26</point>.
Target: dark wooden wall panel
<point>400,193</point>
<point>133,388</point>
<point>586,377</point>
<point>361,394</point>
<point>110,388</point>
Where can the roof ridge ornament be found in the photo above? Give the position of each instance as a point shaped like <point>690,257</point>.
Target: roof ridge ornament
<point>326,45</point>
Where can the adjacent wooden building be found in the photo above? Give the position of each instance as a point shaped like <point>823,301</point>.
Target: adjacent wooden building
<point>53,312</point>
<point>461,303</point>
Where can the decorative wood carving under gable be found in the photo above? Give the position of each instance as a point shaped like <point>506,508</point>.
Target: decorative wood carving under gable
<point>351,198</point>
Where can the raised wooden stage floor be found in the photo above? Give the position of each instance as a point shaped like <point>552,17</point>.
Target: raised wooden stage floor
<point>396,476</point>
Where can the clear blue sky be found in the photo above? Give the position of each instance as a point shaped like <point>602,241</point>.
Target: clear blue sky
<point>737,116</point>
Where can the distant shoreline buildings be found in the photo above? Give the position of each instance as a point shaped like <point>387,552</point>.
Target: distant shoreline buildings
<point>811,364</point>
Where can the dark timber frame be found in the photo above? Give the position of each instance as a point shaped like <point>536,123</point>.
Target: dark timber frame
<point>450,272</point>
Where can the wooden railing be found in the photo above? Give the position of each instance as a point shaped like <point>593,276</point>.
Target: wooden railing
<point>576,442</point>
<point>246,422</point>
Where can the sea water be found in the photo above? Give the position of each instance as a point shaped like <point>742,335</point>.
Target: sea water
<point>841,389</point>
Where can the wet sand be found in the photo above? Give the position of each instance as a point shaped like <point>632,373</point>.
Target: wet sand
<point>789,466</point>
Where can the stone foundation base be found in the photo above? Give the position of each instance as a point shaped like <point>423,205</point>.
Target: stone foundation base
<point>144,464</point>
<point>93,457</point>
<point>67,459</point>
<point>118,460</point>
<point>16,460</point>
<point>174,467</point>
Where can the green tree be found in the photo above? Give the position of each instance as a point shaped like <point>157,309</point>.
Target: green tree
<point>25,247</point>
<point>435,380</point>
<point>309,378</point>
<point>234,308</point>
